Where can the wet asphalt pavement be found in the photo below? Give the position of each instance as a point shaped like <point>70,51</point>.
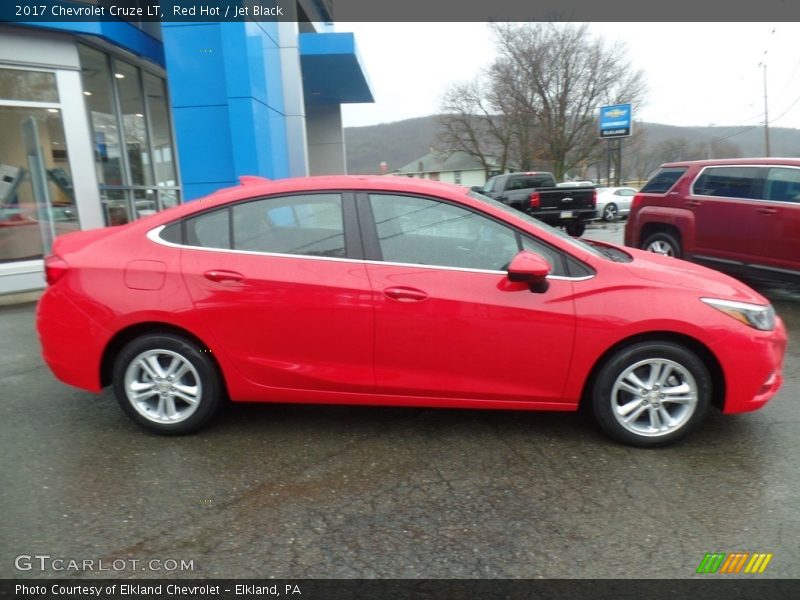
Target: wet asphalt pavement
<point>339,492</point>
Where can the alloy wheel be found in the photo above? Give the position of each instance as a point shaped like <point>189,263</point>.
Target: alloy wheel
<point>661,247</point>
<point>163,386</point>
<point>654,397</point>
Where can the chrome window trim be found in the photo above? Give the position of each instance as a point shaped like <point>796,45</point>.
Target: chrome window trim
<point>154,236</point>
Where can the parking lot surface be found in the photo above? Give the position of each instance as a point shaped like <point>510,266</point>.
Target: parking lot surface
<point>342,492</point>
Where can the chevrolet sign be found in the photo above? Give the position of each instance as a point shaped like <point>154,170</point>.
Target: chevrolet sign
<point>615,121</point>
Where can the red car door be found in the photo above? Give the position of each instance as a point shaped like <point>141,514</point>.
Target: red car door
<point>722,200</point>
<point>448,322</point>
<point>775,222</point>
<point>272,281</point>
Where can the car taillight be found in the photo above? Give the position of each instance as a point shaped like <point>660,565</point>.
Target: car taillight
<point>536,200</point>
<point>637,200</point>
<point>54,268</point>
<point>594,198</point>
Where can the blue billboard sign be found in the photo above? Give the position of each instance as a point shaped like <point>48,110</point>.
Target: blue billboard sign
<point>616,121</point>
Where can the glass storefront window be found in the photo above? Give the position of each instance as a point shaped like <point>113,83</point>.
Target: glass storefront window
<point>163,161</point>
<point>134,150</point>
<point>133,123</point>
<point>144,203</point>
<point>37,200</point>
<point>97,88</point>
<point>169,198</point>
<point>31,86</point>
<point>115,206</point>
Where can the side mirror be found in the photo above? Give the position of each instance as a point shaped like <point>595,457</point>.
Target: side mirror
<point>530,268</point>
<point>476,188</point>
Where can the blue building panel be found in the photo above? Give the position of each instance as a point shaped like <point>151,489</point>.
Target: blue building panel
<point>332,70</point>
<point>279,161</point>
<point>194,191</point>
<point>204,144</point>
<point>195,64</point>
<point>227,96</point>
<point>119,33</point>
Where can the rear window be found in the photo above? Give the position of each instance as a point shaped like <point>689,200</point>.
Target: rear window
<point>530,181</point>
<point>663,180</point>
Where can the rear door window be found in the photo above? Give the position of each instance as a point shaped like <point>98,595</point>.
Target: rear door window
<point>731,182</point>
<point>209,230</point>
<point>308,225</point>
<point>663,180</point>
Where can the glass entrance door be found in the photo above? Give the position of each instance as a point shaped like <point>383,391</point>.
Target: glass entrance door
<point>37,199</point>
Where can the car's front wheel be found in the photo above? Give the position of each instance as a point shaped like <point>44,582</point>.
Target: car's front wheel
<point>166,383</point>
<point>651,394</point>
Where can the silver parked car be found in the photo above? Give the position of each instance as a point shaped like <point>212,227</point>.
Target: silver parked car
<point>614,202</point>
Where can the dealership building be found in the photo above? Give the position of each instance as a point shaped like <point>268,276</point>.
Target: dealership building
<point>105,122</point>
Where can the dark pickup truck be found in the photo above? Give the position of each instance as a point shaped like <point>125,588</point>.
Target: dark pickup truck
<point>537,195</point>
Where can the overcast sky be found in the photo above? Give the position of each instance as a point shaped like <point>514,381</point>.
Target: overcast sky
<point>697,73</point>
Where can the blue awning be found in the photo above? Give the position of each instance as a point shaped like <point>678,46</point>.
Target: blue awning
<point>332,70</point>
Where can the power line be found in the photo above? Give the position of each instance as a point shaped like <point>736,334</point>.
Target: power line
<point>796,100</point>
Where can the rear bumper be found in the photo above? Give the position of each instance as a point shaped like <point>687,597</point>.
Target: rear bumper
<point>71,342</point>
<point>753,367</point>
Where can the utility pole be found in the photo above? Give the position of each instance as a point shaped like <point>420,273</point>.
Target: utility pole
<point>766,113</point>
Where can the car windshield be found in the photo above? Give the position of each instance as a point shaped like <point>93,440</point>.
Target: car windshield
<point>575,242</point>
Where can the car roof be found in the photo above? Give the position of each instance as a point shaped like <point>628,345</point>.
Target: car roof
<point>758,160</point>
<point>255,187</point>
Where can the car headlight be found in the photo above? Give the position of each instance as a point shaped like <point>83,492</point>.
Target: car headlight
<point>758,316</point>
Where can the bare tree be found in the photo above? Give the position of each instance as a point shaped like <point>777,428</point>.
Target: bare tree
<point>470,124</point>
<point>545,88</point>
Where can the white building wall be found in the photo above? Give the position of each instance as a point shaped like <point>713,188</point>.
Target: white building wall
<point>326,151</point>
<point>470,178</point>
<point>58,53</point>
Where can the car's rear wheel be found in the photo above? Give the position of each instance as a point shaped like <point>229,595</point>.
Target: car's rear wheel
<point>651,394</point>
<point>166,383</point>
<point>575,228</point>
<point>663,243</point>
<point>610,212</point>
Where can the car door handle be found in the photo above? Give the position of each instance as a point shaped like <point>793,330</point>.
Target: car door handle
<point>767,211</point>
<point>693,203</point>
<point>405,294</point>
<point>222,276</point>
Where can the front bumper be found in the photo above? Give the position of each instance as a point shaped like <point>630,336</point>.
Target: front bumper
<point>752,365</point>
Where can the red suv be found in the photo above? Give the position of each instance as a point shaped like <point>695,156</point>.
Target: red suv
<point>740,215</point>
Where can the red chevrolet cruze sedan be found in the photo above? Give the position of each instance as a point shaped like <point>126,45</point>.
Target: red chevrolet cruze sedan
<point>393,291</point>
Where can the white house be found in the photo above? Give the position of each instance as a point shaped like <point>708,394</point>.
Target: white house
<point>458,167</point>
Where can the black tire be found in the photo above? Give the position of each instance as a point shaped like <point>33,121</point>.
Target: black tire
<point>198,380</point>
<point>575,228</point>
<point>610,212</point>
<point>687,377</point>
<point>668,242</point>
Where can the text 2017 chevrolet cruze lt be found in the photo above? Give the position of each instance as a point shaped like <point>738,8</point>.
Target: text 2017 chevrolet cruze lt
<point>392,291</point>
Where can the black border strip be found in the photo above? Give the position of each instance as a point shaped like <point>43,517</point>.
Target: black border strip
<point>629,11</point>
<point>709,587</point>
